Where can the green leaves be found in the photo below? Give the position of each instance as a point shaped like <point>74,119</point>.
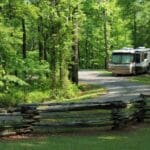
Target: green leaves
<point>137,17</point>
<point>14,79</point>
<point>39,39</point>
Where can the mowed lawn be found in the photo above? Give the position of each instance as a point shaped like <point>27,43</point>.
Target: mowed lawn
<point>138,139</point>
<point>145,79</point>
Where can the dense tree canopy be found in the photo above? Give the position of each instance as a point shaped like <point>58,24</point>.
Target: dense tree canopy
<point>43,43</point>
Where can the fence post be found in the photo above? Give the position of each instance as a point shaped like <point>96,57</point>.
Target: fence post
<point>28,114</point>
<point>142,109</point>
<point>117,116</point>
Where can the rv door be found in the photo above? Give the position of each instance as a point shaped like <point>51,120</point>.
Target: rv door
<point>137,58</point>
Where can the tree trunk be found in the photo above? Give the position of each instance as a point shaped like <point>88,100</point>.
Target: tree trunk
<point>134,30</point>
<point>75,50</point>
<point>86,54</point>
<point>41,42</point>
<point>53,69</point>
<point>45,51</point>
<point>10,10</point>
<point>106,39</point>
<point>60,68</point>
<point>24,51</point>
<point>75,59</point>
<point>53,61</point>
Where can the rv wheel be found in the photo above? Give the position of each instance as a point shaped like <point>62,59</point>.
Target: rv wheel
<point>115,74</point>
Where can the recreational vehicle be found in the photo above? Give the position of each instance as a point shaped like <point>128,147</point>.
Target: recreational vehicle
<point>130,61</point>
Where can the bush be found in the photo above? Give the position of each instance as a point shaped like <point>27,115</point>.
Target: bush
<point>13,98</point>
<point>68,90</point>
<point>37,96</point>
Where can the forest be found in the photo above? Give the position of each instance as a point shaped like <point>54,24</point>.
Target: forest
<point>43,43</point>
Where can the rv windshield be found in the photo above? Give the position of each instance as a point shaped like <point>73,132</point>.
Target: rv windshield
<point>122,58</point>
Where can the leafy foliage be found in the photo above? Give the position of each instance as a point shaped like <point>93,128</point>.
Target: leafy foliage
<point>43,43</point>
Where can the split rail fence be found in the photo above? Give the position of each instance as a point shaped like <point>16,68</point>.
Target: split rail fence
<point>30,118</point>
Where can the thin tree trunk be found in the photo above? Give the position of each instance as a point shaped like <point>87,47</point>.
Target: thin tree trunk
<point>10,10</point>
<point>61,68</point>
<point>75,57</point>
<point>45,51</point>
<point>24,51</point>
<point>53,68</point>
<point>134,30</point>
<point>53,54</point>
<point>41,42</point>
<point>87,51</point>
<point>75,49</point>
<point>86,54</point>
<point>106,39</point>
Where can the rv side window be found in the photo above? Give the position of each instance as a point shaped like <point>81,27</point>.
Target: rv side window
<point>145,55</point>
<point>137,58</point>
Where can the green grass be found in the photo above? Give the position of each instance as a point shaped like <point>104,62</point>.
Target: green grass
<point>86,91</point>
<point>129,140</point>
<point>105,73</point>
<point>82,92</point>
<point>145,79</point>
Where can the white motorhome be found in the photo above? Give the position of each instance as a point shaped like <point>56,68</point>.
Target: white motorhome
<point>130,61</point>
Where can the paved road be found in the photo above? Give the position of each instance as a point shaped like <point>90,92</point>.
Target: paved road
<point>119,88</point>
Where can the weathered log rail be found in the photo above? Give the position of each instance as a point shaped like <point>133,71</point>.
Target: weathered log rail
<point>27,118</point>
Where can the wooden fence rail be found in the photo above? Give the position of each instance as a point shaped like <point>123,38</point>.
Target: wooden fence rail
<point>27,118</point>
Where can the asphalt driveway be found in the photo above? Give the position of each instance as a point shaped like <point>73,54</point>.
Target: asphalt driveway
<point>119,88</point>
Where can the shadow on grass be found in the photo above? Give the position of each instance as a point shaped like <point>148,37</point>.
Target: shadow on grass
<point>136,139</point>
